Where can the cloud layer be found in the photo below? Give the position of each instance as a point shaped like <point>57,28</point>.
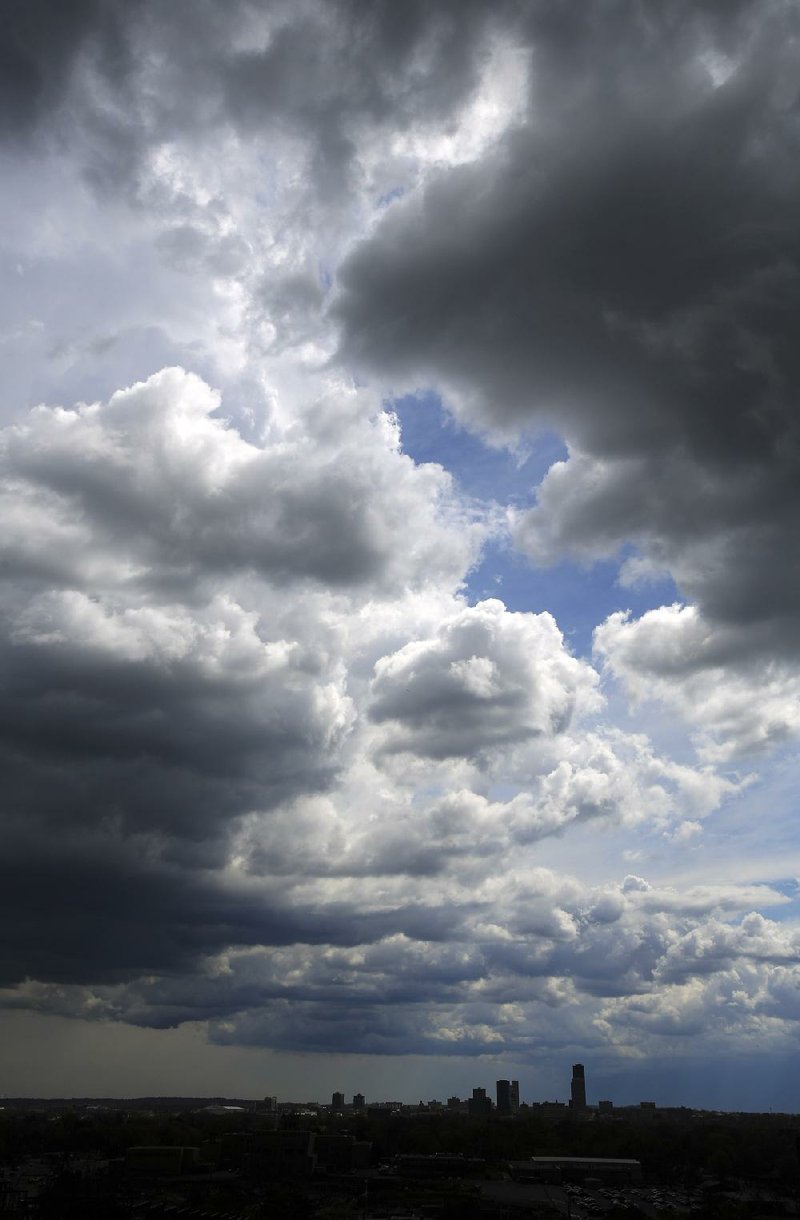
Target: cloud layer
<point>268,761</point>
<point>621,267</point>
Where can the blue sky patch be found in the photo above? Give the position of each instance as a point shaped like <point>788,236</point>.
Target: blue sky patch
<point>578,595</point>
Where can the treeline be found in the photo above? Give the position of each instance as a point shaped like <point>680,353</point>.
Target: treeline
<point>107,1133</point>
<point>753,1147</point>
<point>679,1150</point>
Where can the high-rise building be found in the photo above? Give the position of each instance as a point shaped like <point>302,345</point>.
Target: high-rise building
<point>359,1101</point>
<point>578,1087</point>
<point>479,1104</point>
<point>337,1101</point>
<point>507,1096</point>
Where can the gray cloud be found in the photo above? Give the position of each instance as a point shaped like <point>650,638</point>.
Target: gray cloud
<point>165,727</point>
<point>155,472</point>
<point>489,679</point>
<point>118,81</point>
<point>721,680</point>
<point>42,40</point>
<point>623,267</point>
<point>508,987</point>
<point>263,765</point>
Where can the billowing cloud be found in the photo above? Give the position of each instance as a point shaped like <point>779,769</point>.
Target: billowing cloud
<point>489,679</point>
<point>200,746</point>
<point>621,266</point>
<point>161,679</point>
<point>555,951</point>
<point>736,703</point>
<point>154,470</point>
<point>270,760</point>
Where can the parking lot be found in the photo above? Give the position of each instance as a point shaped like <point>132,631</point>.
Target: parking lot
<point>585,1201</point>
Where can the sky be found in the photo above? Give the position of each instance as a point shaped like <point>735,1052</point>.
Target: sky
<point>400,576</point>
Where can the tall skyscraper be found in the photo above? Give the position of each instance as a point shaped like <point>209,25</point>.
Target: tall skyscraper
<point>507,1096</point>
<point>337,1101</point>
<point>578,1088</point>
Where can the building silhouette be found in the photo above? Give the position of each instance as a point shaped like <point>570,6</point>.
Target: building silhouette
<point>479,1104</point>
<point>337,1101</point>
<point>507,1096</point>
<point>578,1088</point>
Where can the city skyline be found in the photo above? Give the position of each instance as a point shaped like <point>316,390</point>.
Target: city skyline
<point>400,575</point>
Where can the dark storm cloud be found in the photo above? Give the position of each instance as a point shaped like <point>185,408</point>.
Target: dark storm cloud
<point>123,785</point>
<point>87,739</point>
<point>163,682</point>
<point>405,992</point>
<point>144,714</point>
<point>100,904</point>
<point>137,730</point>
<point>125,78</point>
<point>41,41</point>
<point>624,267</point>
<point>157,945</point>
<point>347,63</point>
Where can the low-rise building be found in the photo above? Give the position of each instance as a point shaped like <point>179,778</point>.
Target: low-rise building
<point>576,1169</point>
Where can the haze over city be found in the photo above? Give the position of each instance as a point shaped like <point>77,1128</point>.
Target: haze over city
<point>400,568</point>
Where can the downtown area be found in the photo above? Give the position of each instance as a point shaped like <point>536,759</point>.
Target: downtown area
<point>489,1155</point>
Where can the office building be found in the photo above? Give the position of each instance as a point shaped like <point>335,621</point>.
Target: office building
<point>507,1096</point>
<point>578,1088</point>
<point>479,1105</point>
<point>337,1101</point>
<point>359,1101</point>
